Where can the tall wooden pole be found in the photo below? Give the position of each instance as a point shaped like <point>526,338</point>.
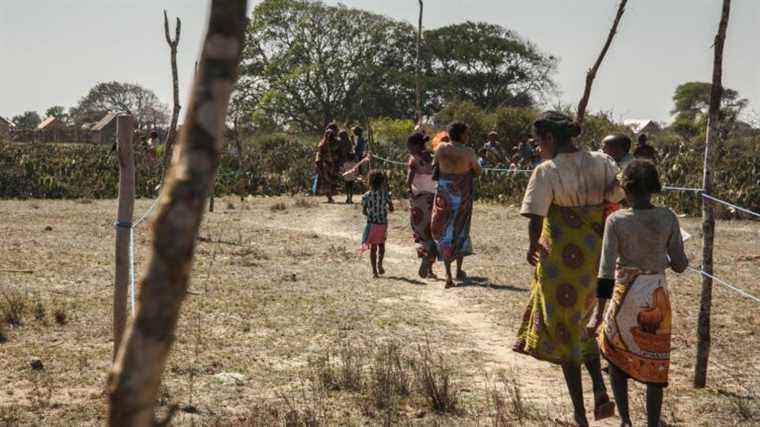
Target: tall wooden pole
<point>591,74</point>
<point>125,210</point>
<point>708,212</point>
<point>136,375</point>
<point>417,66</point>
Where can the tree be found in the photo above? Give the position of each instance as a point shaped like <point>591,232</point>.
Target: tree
<point>59,112</point>
<point>130,98</point>
<point>691,102</point>
<point>27,120</point>
<point>306,64</point>
<point>486,64</point>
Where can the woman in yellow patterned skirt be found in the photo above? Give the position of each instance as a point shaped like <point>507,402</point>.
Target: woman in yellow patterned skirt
<point>640,243</point>
<point>564,201</point>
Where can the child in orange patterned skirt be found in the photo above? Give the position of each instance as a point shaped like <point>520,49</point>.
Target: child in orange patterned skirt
<point>640,243</point>
<point>376,204</point>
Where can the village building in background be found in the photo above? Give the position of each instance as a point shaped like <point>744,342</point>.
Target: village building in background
<point>50,130</point>
<point>646,126</point>
<point>5,129</point>
<point>104,130</point>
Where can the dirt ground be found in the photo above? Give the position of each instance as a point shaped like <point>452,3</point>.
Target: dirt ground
<point>278,282</point>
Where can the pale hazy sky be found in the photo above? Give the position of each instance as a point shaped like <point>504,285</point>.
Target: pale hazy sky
<point>54,51</point>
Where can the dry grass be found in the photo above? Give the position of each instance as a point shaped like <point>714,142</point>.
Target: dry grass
<point>277,292</point>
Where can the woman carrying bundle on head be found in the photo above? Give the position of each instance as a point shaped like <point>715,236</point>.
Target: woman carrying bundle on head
<point>564,201</point>
<point>327,162</point>
<point>640,243</point>
<point>455,168</point>
<point>422,188</point>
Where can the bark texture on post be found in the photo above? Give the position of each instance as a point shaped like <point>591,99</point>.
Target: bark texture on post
<point>591,74</point>
<point>125,211</point>
<point>136,375</point>
<point>173,43</point>
<point>708,212</point>
<point>417,67</point>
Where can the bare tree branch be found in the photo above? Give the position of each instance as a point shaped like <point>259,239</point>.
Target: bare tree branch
<point>171,132</point>
<point>136,375</point>
<point>591,74</point>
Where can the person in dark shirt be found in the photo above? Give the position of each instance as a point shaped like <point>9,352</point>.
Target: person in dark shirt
<point>644,150</point>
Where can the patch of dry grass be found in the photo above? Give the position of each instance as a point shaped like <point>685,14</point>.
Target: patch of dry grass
<point>275,291</point>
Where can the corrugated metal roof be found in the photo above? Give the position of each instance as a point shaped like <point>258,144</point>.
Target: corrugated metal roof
<point>47,122</point>
<point>102,123</point>
<point>637,125</point>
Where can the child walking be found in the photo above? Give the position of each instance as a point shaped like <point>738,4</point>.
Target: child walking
<point>376,203</point>
<point>640,243</point>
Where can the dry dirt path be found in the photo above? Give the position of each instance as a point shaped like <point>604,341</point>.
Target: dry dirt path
<point>540,383</point>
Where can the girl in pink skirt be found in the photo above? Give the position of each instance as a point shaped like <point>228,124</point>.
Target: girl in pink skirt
<point>376,204</point>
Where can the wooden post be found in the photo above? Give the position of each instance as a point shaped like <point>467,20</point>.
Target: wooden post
<point>708,212</point>
<point>417,66</point>
<point>124,129</point>
<point>172,131</point>
<point>136,375</point>
<point>591,74</point>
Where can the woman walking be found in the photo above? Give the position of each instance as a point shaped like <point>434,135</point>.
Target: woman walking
<point>640,243</point>
<point>422,188</point>
<point>564,201</point>
<point>455,167</point>
<point>327,164</point>
<point>346,162</point>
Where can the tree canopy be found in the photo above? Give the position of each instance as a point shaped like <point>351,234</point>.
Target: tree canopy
<point>487,65</point>
<point>691,101</point>
<point>57,111</point>
<point>27,120</point>
<point>306,64</point>
<point>141,103</point>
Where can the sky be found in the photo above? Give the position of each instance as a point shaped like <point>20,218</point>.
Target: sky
<point>54,51</point>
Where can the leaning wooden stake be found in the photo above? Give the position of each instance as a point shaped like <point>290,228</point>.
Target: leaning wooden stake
<point>125,211</point>
<point>173,43</point>
<point>708,213</point>
<point>136,375</point>
<point>591,74</point>
<point>417,67</point>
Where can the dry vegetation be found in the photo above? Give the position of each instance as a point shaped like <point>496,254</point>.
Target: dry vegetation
<point>285,327</point>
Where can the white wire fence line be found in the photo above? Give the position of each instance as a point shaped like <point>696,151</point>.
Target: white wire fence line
<point>132,274</point>
<point>667,188</point>
<point>722,282</point>
<point>504,170</point>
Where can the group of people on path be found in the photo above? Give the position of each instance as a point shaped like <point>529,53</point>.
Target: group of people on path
<point>599,249</point>
<point>337,155</point>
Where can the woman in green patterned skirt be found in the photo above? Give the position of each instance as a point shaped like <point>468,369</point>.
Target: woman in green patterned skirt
<point>564,201</point>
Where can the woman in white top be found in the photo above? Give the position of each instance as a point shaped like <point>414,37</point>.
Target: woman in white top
<point>564,201</point>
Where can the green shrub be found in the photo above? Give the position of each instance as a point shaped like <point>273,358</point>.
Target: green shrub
<point>278,164</point>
